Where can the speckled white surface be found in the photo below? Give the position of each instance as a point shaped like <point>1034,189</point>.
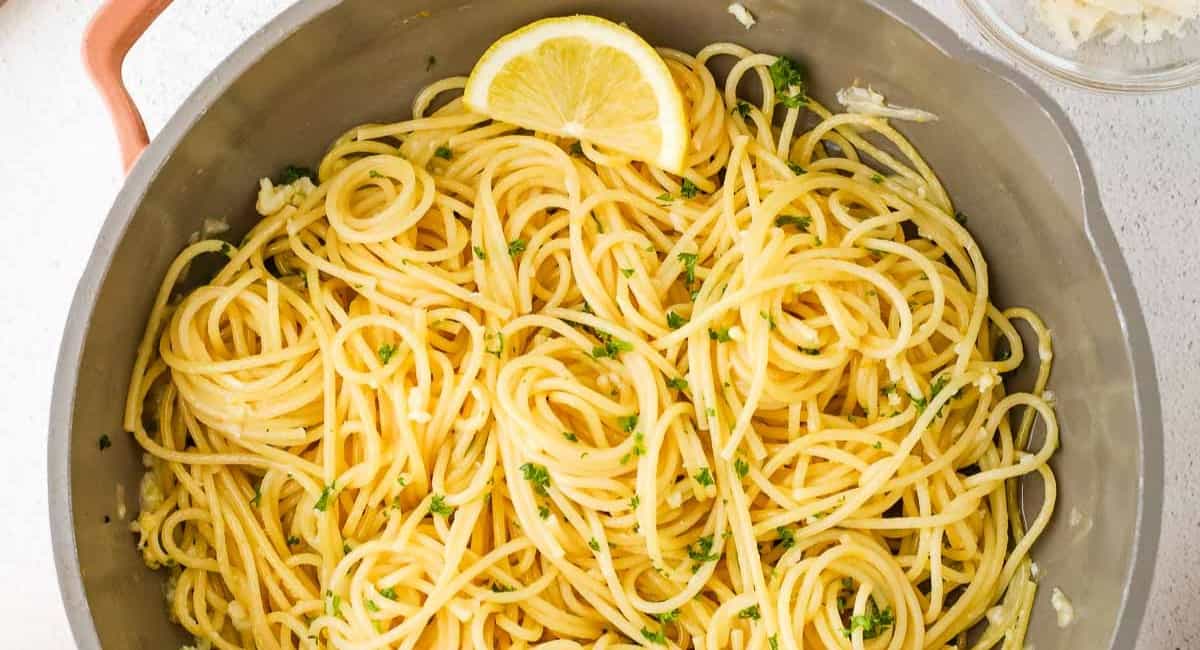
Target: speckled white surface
<point>59,174</point>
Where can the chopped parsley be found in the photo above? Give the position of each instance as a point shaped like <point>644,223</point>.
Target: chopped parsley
<point>689,265</point>
<point>543,512</point>
<point>668,617</point>
<point>688,189</point>
<point>537,475</point>
<point>257,498</point>
<point>751,613</point>
<point>293,173</point>
<point>639,444</point>
<point>389,593</point>
<point>703,550</point>
<point>628,422</point>
<point>877,179</point>
<point>704,477</point>
<point>371,606</point>
<point>335,603</point>
<point>612,348</point>
<point>665,197</point>
<point>105,442</point>
<point>872,624</point>
<point>919,402</point>
<point>634,502</point>
<point>811,351</point>
<point>773,641</point>
<point>437,505</point>
<point>500,588</point>
<point>769,318</point>
<point>788,79</point>
<point>576,148</point>
<point>675,321</point>
<point>741,108</point>
<point>323,501</point>
<point>654,637</point>
<point>796,169</point>
<point>741,467</point>
<point>293,540</point>
<point>594,545</point>
<point>516,247</point>
<point>937,385</point>
<point>374,174</point>
<point>792,220</point>
<point>627,273</point>
<point>787,537</point>
<point>720,335</point>
<point>570,436</point>
<point>443,152</point>
<point>479,252</point>
<point>678,383</point>
<point>386,352</point>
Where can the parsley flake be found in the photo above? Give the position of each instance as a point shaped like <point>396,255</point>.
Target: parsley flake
<point>654,637</point>
<point>792,220</point>
<point>537,475</point>
<point>386,352</point>
<point>720,335</point>
<point>438,506</point>
<point>688,189</point>
<point>741,467</point>
<point>323,501</point>
<point>788,79</point>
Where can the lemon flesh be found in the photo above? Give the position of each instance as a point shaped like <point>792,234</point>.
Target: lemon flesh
<point>587,78</point>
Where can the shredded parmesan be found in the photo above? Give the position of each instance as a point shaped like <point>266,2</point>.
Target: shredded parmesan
<point>1075,22</point>
<point>742,14</point>
<point>865,101</point>
<point>1063,608</point>
<point>272,198</point>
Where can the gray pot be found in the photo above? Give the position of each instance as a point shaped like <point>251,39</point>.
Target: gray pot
<point>1005,152</point>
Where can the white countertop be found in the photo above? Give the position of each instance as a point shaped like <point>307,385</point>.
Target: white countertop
<point>59,174</point>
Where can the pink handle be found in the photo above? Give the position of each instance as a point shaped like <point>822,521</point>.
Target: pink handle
<point>113,30</point>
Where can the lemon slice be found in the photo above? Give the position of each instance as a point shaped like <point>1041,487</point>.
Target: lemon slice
<point>587,78</point>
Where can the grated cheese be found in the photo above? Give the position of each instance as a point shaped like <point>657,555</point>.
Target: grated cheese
<point>1075,22</point>
<point>742,14</point>
<point>865,101</point>
<point>1063,608</point>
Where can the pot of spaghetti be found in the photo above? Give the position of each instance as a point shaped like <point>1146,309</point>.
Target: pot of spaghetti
<point>601,325</point>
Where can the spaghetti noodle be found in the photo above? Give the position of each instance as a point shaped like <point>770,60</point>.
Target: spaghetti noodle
<point>480,387</point>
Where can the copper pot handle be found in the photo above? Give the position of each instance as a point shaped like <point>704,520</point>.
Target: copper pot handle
<point>112,31</point>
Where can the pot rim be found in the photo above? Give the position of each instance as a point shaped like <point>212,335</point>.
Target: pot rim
<point>1147,527</point>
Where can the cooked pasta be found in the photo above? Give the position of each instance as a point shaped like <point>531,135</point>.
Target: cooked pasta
<point>474,386</point>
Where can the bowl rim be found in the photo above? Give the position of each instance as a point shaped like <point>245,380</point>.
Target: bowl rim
<point>1147,527</point>
<point>1000,33</point>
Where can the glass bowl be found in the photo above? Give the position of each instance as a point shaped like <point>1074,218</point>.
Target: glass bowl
<point>1101,63</point>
